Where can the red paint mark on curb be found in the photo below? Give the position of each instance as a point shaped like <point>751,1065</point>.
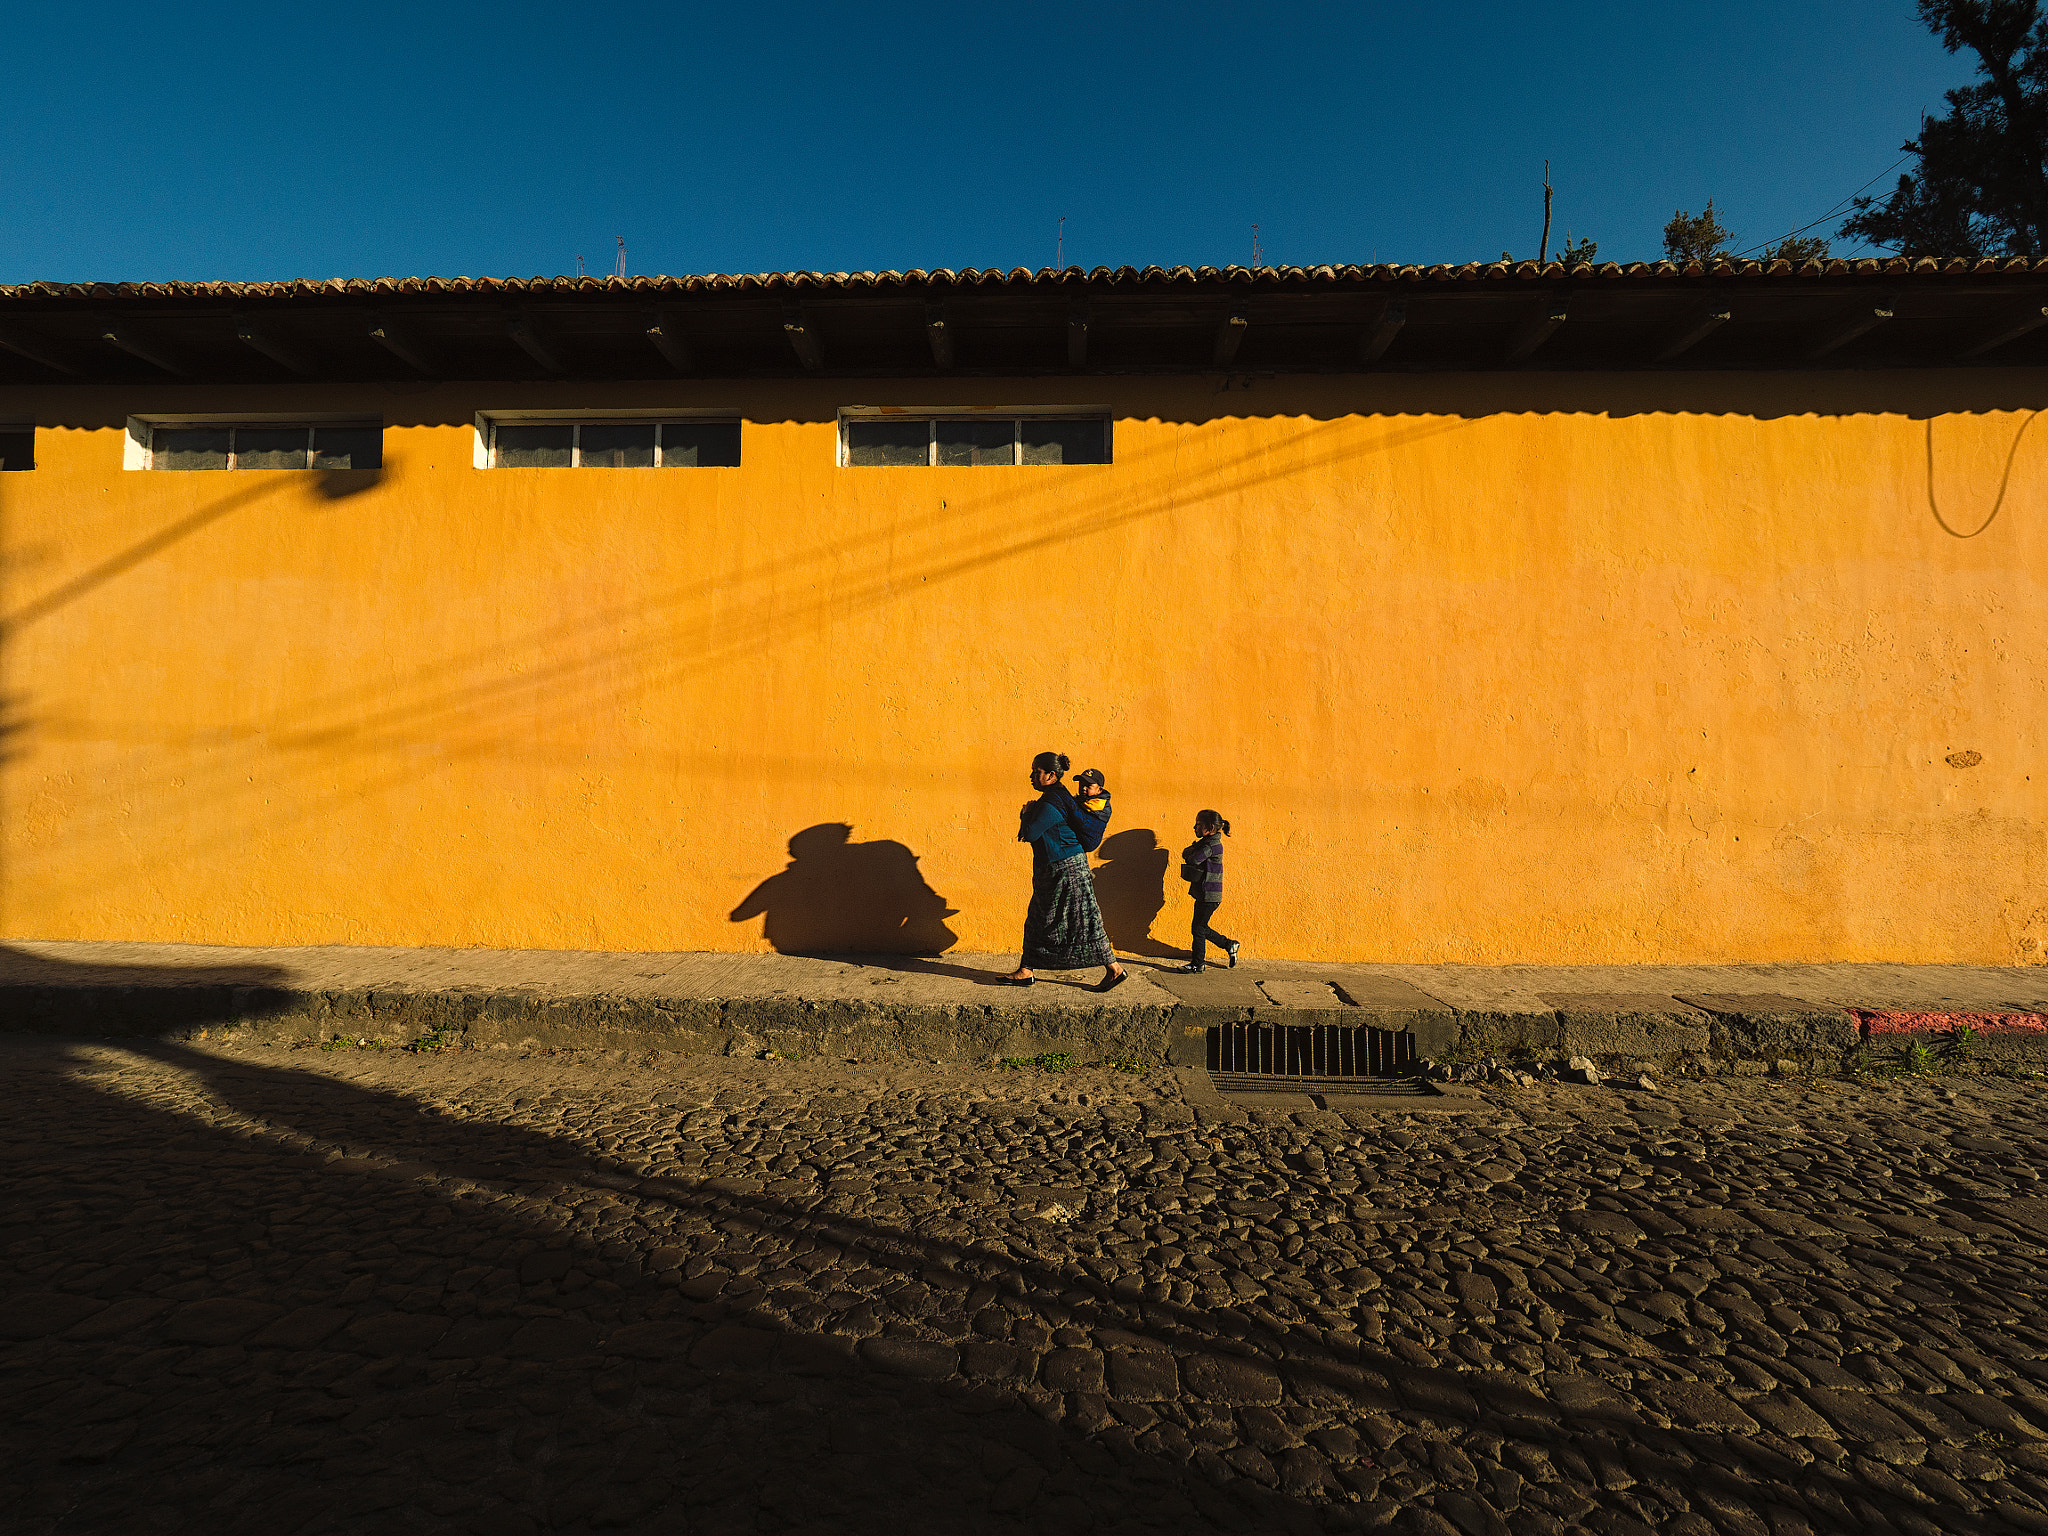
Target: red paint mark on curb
<point>1894,1022</point>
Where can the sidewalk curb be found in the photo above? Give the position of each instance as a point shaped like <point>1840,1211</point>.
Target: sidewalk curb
<point>1652,1028</point>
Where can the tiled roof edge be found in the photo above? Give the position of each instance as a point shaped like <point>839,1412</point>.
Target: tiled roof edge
<point>797,283</point>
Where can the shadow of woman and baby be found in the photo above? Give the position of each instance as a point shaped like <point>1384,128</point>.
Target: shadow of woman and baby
<point>841,897</point>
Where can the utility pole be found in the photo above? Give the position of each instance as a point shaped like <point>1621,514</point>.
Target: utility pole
<point>1059,246</point>
<point>1543,247</point>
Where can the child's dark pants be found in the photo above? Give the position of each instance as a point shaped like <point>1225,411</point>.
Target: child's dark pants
<point>1204,935</point>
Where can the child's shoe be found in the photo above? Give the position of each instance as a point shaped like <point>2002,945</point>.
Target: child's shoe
<point>1192,968</point>
<point>1232,949</point>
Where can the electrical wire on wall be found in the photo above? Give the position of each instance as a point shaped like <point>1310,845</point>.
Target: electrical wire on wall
<point>2004,482</point>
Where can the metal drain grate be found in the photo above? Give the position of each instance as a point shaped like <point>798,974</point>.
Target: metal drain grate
<point>1309,1050</point>
<point>1338,1089</point>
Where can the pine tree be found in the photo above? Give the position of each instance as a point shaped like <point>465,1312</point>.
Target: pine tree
<point>1798,248</point>
<point>1579,253</point>
<point>1981,187</point>
<point>1702,238</point>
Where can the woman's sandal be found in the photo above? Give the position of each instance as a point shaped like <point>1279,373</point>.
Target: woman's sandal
<point>1110,984</point>
<point>1015,981</point>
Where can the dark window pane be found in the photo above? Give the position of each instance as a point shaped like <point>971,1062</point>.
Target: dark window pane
<point>270,447</point>
<point>17,448</point>
<point>190,448</point>
<point>700,445</point>
<point>888,443</point>
<point>1066,442</point>
<point>977,442</point>
<point>348,448</point>
<point>534,447</point>
<point>617,448</point>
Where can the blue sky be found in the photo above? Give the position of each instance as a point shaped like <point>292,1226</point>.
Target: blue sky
<point>245,142</point>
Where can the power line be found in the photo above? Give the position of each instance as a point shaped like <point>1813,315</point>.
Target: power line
<point>1845,202</point>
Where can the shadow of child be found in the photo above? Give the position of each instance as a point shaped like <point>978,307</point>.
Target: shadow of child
<point>1130,887</point>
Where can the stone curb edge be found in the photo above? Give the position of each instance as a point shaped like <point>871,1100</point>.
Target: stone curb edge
<point>1651,1028</point>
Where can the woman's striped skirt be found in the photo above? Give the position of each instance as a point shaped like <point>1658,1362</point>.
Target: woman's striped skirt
<point>1063,926</point>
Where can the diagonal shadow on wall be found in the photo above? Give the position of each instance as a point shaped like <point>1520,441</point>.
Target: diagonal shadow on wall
<point>317,486</point>
<point>483,703</point>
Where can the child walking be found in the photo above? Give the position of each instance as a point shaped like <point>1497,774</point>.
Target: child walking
<point>1201,865</point>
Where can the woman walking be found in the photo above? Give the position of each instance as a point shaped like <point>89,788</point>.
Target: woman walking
<point>1063,926</point>
<point>1201,865</point>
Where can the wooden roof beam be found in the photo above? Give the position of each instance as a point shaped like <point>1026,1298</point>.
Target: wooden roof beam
<point>399,344</point>
<point>1379,335</point>
<point>1534,331</point>
<point>1687,334</point>
<point>1230,336</point>
<point>665,333</point>
<point>257,339</point>
<point>21,344</point>
<point>941,338</point>
<point>803,341</point>
<point>519,326</point>
<point>124,338</point>
<point>1077,336</point>
<point>1845,328</point>
<point>2011,328</point>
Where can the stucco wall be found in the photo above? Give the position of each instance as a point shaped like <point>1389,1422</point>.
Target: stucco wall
<point>1489,669</point>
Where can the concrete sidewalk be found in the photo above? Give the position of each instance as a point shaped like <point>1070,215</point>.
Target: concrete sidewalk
<point>953,1009</point>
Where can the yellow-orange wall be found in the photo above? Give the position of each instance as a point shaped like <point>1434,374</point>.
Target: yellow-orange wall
<point>1532,668</point>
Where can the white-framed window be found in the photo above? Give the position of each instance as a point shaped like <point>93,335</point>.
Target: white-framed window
<point>913,439</point>
<point>220,444</point>
<point>17,445</point>
<point>592,442</point>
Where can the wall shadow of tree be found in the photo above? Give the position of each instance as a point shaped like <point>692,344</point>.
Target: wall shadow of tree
<point>840,897</point>
<point>1130,887</point>
<point>596,1392</point>
<point>42,994</point>
<point>465,1324</point>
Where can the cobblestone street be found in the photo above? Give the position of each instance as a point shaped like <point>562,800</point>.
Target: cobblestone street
<point>278,1290</point>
